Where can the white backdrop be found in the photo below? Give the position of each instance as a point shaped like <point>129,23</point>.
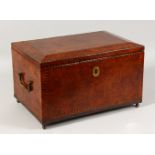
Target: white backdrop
<point>15,118</point>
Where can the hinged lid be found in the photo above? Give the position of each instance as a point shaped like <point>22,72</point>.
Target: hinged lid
<point>78,46</point>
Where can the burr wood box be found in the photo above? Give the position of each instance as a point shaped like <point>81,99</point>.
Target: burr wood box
<point>66,77</point>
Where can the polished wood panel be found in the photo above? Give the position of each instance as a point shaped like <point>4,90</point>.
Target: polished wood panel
<point>81,46</point>
<point>31,99</point>
<point>73,89</point>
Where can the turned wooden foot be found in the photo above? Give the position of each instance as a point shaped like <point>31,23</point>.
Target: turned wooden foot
<point>18,101</point>
<point>136,105</point>
<point>43,126</point>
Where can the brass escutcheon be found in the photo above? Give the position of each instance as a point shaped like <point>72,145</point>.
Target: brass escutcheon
<point>96,71</point>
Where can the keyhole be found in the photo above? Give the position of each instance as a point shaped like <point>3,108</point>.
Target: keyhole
<point>96,71</point>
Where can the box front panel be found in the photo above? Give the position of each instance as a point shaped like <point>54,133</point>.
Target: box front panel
<point>29,94</point>
<point>91,86</point>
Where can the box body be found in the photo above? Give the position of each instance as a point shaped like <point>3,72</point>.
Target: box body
<point>71,80</point>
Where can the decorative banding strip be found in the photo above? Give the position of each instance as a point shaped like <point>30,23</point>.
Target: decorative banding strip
<point>89,60</point>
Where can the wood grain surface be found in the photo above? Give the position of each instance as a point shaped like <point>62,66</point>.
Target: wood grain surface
<point>61,69</point>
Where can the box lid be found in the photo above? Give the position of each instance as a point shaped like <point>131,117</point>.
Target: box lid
<point>80,46</point>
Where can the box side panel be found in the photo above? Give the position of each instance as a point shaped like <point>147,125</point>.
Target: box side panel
<point>28,71</point>
<point>75,89</point>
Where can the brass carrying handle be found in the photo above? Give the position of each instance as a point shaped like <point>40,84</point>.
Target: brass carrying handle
<point>29,85</point>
